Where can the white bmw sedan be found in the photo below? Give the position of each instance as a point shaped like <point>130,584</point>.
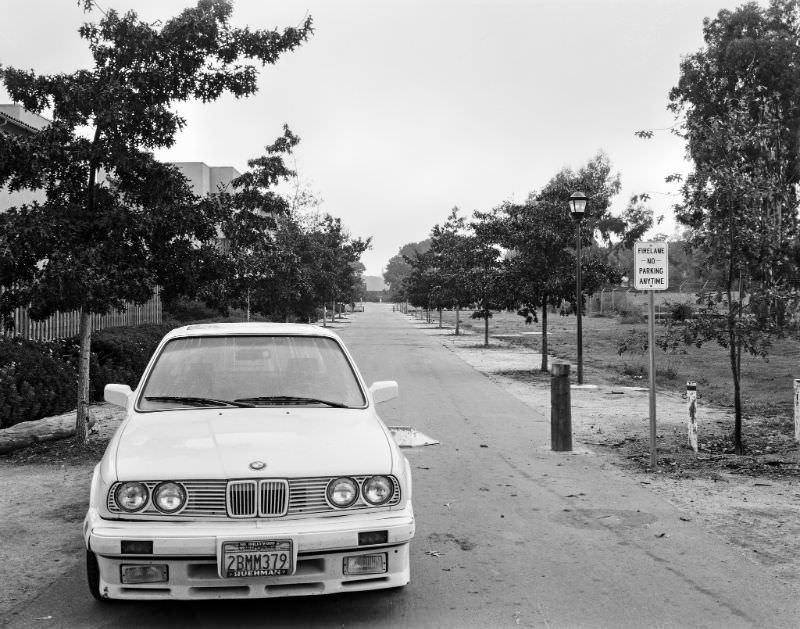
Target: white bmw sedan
<point>251,463</point>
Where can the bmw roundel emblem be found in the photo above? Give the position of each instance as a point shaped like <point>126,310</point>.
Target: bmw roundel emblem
<point>258,465</point>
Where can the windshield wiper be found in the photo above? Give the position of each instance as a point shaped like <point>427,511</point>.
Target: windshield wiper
<point>197,401</point>
<point>291,399</point>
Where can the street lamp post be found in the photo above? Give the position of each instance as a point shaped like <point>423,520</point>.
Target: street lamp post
<point>577,205</point>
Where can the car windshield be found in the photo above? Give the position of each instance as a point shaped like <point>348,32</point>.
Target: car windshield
<point>248,371</point>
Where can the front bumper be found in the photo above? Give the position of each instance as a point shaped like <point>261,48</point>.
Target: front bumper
<point>190,552</point>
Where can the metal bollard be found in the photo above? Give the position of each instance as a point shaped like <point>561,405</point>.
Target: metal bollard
<point>691,403</point>
<point>560,409</point>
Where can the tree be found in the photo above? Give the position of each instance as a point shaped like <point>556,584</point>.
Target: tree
<point>738,102</point>
<point>423,286</point>
<point>540,236</point>
<point>333,254</point>
<point>90,246</point>
<point>453,254</point>
<point>486,279</point>
<point>289,291</point>
<point>252,211</point>
<point>399,268</point>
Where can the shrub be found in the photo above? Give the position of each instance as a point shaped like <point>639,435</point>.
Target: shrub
<point>630,316</point>
<point>121,354</point>
<point>668,372</point>
<point>34,382</point>
<point>185,311</point>
<point>636,369</point>
<point>39,379</point>
<point>681,311</point>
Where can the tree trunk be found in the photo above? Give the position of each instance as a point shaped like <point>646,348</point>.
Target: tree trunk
<point>733,343</point>
<point>486,329</point>
<point>544,335</point>
<point>27,433</point>
<point>440,318</point>
<point>324,314</point>
<point>458,310</point>
<point>738,446</point>
<point>82,416</point>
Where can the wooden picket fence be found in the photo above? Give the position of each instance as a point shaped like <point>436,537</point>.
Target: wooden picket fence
<point>66,324</point>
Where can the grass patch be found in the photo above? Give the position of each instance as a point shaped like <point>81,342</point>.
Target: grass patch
<point>767,386</point>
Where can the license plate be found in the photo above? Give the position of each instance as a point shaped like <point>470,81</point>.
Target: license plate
<point>257,558</point>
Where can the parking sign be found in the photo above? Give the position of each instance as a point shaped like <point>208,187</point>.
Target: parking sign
<point>651,266</point>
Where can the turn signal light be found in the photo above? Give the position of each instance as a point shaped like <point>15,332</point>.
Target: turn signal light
<point>369,538</point>
<point>136,547</point>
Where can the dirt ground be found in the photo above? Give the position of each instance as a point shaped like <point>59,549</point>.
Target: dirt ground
<point>752,502</point>
<point>44,497</point>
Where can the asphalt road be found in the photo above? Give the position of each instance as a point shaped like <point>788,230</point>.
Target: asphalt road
<point>508,533</point>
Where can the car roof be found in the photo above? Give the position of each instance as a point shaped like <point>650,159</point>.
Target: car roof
<point>251,327</point>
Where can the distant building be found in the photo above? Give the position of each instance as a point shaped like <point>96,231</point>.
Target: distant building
<point>206,179</point>
<point>16,120</point>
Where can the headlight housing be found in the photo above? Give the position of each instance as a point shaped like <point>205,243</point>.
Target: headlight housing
<point>377,490</point>
<point>131,497</point>
<point>169,497</point>
<point>342,492</point>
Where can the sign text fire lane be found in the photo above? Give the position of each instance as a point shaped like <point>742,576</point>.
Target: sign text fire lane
<point>651,266</point>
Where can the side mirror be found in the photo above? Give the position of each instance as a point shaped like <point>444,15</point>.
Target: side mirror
<point>383,391</point>
<point>117,394</point>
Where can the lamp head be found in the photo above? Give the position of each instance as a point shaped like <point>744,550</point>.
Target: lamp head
<point>577,205</point>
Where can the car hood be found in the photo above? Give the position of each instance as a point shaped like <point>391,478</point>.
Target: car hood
<point>221,443</point>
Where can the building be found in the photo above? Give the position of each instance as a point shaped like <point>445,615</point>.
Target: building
<point>206,179</point>
<point>16,120</point>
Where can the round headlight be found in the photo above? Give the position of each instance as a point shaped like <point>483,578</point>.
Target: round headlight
<point>131,496</point>
<point>169,497</point>
<point>342,492</point>
<point>378,490</point>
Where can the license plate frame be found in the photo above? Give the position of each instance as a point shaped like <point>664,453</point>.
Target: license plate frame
<point>256,558</point>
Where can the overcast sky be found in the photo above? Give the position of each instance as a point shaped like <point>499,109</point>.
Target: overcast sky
<point>406,109</point>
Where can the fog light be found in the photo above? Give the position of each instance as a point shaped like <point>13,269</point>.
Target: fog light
<point>144,573</point>
<point>365,564</point>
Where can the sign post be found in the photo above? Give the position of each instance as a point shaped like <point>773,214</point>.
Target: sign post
<point>651,273</point>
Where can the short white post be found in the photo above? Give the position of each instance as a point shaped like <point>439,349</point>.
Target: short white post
<point>797,409</point>
<point>691,404</point>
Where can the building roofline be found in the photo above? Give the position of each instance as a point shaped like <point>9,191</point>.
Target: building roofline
<point>18,122</point>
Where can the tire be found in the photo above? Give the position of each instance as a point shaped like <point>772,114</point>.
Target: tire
<point>93,576</point>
